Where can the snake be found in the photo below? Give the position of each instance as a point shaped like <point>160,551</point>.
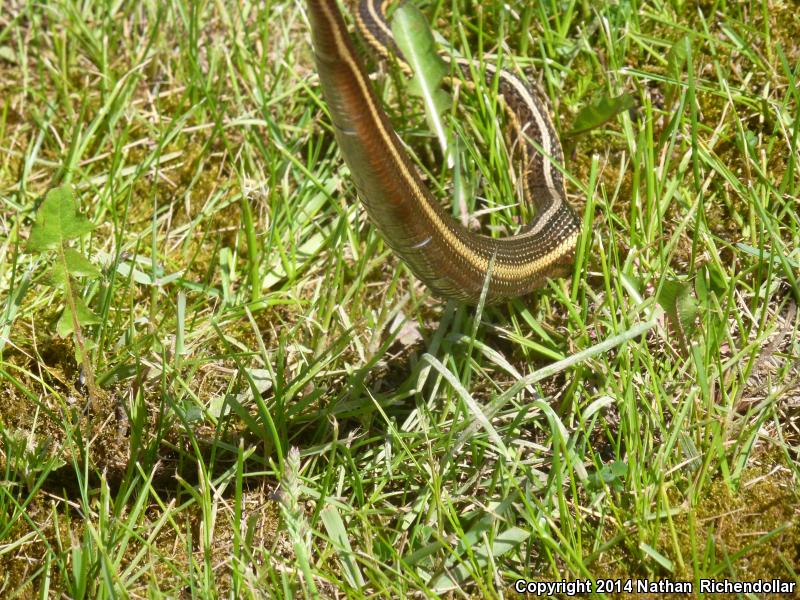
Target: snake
<point>453,261</point>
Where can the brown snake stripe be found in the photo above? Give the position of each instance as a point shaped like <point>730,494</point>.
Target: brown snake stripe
<point>451,260</point>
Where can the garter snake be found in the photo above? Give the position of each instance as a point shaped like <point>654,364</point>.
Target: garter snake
<point>450,259</point>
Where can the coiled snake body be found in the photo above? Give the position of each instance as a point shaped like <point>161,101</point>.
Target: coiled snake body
<point>450,259</point>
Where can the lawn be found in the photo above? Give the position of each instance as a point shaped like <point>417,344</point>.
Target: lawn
<point>216,379</point>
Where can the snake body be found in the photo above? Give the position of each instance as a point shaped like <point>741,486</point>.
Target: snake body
<point>451,260</point>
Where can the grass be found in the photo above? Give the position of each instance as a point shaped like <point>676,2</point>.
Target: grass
<point>303,419</point>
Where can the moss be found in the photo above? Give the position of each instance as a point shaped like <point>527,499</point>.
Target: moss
<point>17,568</point>
<point>729,525</point>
